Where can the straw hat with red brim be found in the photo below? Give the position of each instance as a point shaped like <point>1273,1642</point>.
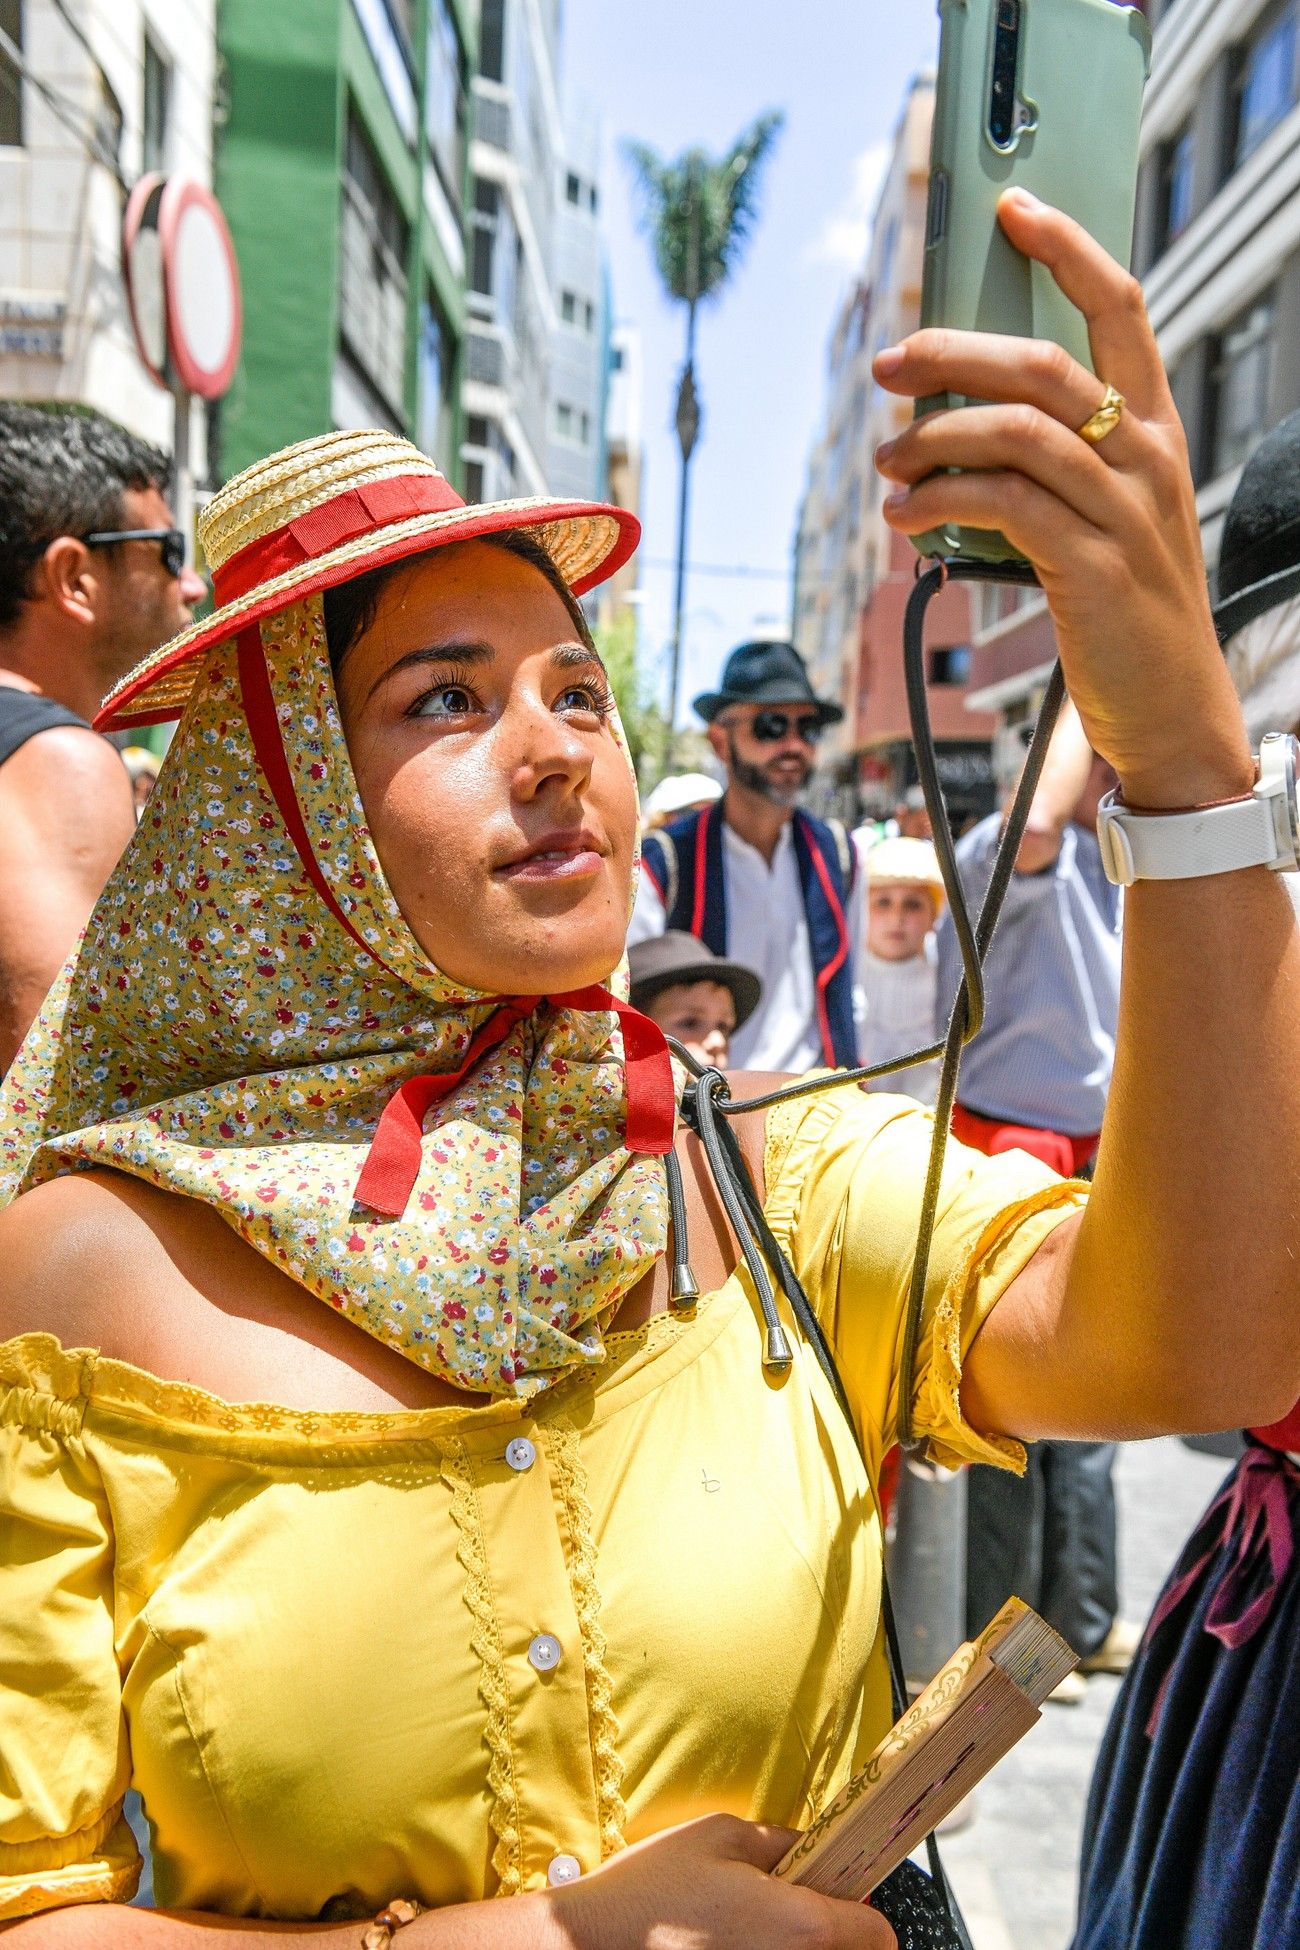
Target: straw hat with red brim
<point>328,510</point>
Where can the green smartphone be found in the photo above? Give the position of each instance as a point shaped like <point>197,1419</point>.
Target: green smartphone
<point>1041,95</point>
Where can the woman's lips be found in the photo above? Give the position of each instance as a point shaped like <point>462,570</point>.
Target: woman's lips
<point>555,863</point>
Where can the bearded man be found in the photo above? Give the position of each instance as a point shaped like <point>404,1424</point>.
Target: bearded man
<point>756,878</point>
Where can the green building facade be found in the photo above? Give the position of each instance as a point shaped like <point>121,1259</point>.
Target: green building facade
<point>341,164</point>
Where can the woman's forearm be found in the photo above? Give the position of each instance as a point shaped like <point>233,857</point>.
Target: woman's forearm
<point>1189,1258</point>
<point>1175,1302</point>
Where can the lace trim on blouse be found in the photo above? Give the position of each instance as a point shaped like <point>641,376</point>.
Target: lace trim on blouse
<point>571,1474</point>
<point>507,1856</point>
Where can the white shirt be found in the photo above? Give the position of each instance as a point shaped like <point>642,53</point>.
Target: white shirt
<point>893,1006</point>
<point>767,930</point>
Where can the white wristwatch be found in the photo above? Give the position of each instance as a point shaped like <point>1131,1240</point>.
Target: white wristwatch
<point>1261,831</point>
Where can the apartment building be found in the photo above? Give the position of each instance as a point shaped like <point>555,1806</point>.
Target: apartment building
<point>580,343</point>
<point>89,102</point>
<point>342,168</point>
<point>853,573</point>
<point>515,151</point>
<point>1217,247</point>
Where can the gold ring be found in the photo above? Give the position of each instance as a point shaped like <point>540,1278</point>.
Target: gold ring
<point>1104,420</point>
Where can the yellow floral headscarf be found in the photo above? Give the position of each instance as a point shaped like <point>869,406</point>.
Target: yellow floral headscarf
<point>248,1009</point>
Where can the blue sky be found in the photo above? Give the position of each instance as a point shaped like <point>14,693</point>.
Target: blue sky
<point>696,71</point>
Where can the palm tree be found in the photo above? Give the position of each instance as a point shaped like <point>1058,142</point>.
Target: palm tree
<point>699,212</point>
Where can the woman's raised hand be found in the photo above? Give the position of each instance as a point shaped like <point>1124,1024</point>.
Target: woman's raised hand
<point>1111,529</point>
<point>706,1886</point>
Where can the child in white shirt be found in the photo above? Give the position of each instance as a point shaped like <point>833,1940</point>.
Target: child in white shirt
<point>894,998</point>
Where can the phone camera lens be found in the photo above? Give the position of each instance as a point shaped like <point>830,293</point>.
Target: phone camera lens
<point>1006,48</point>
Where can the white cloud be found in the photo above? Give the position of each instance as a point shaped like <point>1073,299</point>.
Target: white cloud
<point>842,239</point>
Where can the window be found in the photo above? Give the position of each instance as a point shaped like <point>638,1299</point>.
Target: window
<point>885,261</point>
<point>492,40</point>
<point>588,315</point>
<point>1265,85</point>
<point>401,14</point>
<point>950,665</point>
<point>444,97</point>
<point>617,358</point>
<point>487,198</point>
<point>473,480</point>
<point>11,81</point>
<point>373,245</point>
<point>496,250</point>
<point>436,366</point>
<point>1240,384</point>
<point>569,307</point>
<point>1177,174</point>
<point>572,423</point>
<point>388,26</point>
<point>476,430</point>
<point>572,188</point>
<point>156,107</point>
<point>592,200</point>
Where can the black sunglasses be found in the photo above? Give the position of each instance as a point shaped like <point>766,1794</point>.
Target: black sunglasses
<point>769,727</point>
<point>170,540</point>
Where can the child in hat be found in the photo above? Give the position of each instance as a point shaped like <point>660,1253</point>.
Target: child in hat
<point>692,993</point>
<point>894,998</point>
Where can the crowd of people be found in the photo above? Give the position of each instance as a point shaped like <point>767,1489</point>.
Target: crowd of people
<point>331,1011</point>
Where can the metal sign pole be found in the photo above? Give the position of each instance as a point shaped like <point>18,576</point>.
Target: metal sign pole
<point>182,470</point>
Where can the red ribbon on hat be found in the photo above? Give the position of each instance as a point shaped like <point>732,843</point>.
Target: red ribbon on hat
<point>355,511</point>
<point>388,1176</point>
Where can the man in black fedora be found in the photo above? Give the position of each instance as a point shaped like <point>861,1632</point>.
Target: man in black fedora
<point>756,878</point>
<point>1258,611</point>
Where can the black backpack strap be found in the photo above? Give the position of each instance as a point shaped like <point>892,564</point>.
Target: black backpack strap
<point>25,713</point>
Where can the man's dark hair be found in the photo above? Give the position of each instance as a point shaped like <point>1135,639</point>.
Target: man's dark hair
<point>350,606</point>
<point>63,471</point>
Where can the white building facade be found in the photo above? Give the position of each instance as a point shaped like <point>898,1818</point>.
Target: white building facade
<point>1218,238</point>
<point>516,144</point>
<point>1217,247</point>
<point>91,97</point>
<point>580,344</point>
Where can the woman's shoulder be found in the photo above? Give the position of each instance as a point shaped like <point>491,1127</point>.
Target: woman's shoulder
<point>76,1253</point>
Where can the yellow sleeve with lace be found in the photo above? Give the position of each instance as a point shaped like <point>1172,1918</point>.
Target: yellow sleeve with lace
<point>64,1762</point>
<point>845,1173</point>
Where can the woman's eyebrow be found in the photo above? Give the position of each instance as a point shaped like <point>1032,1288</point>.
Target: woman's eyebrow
<point>457,652</point>
<point>576,656</point>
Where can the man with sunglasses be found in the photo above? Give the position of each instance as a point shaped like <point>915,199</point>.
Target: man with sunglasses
<point>92,577</point>
<point>755,877</point>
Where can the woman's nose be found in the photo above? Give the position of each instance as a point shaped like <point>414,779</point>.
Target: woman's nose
<point>541,745</point>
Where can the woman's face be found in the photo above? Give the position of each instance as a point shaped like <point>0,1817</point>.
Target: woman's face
<point>501,807</point>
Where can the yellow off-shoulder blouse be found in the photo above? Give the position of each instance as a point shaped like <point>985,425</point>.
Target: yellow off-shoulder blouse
<point>457,1652</point>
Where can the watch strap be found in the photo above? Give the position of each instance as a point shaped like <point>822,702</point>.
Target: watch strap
<point>1184,845</point>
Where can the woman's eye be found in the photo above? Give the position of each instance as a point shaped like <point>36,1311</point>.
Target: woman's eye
<point>447,701</point>
<point>585,697</point>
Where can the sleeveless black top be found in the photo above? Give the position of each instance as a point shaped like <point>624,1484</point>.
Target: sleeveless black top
<point>24,713</point>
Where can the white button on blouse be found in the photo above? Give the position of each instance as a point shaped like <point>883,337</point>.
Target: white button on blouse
<point>563,1868</point>
<point>521,1454</point>
<point>544,1652</point>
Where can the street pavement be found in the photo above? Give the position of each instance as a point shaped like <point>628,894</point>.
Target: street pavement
<point>1015,1867</point>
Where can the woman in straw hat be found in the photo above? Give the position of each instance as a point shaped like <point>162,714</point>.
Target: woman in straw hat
<point>366,1503</point>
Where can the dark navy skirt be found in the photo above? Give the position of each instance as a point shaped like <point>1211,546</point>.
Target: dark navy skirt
<point>1192,1836</point>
